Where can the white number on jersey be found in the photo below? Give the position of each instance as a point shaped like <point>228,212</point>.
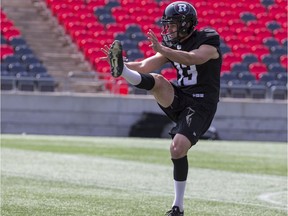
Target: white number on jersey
<point>188,74</point>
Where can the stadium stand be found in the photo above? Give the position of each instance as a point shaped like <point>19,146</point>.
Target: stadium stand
<point>253,38</point>
<point>19,65</point>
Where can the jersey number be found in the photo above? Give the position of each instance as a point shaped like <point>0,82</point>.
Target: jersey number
<point>187,74</point>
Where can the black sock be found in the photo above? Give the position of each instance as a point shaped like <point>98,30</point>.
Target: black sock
<point>180,168</point>
<point>147,82</point>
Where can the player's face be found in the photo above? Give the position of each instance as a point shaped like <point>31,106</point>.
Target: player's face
<point>171,30</point>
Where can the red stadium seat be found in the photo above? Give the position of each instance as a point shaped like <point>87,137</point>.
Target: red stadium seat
<point>169,73</point>
<point>11,32</point>
<point>241,49</point>
<point>252,40</point>
<point>284,61</point>
<point>280,34</point>
<point>231,57</point>
<point>260,50</point>
<point>232,40</point>
<point>115,27</point>
<point>257,68</point>
<point>6,24</point>
<point>95,27</point>
<point>262,32</point>
<point>6,50</point>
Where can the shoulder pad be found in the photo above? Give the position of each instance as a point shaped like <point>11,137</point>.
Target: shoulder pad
<point>209,32</point>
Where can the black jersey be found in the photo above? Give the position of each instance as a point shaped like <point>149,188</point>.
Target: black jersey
<point>200,80</point>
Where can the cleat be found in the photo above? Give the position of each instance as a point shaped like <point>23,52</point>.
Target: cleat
<point>116,59</point>
<point>175,211</point>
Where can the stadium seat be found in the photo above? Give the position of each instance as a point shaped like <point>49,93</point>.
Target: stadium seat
<point>4,66</point>
<point>273,25</point>
<point>133,28</point>
<point>256,7</point>
<point>11,59</point>
<point>37,68</point>
<point>238,89</point>
<point>257,68</point>
<point>246,77</point>
<point>284,61</point>
<point>280,34</point>
<point>169,73</point>
<point>268,59</point>
<point>270,42</point>
<point>134,54</point>
<point>264,78</point>
<point>231,57</point>
<point>224,90</point>
<point>11,32</point>
<point>23,50</point>
<point>5,50</point>
<point>276,68</point>
<point>138,36</point>
<point>262,32</point>
<point>282,77</point>
<point>227,76</point>
<point>247,16</point>
<point>278,92</point>
<point>15,68</point>
<point>25,82</point>
<point>16,41</point>
<point>260,50</point>
<point>45,83</point>
<point>224,48</point>
<point>3,40</point>
<point>284,42</point>
<point>267,3</point>
<point>129,44</point>
<point>238,67</point>
<point>6,24</point>
<point>115,27</point>
<point>106,19</point>
<point>29,59</point>
<point>7,81</point>
<point>257,90</point>
<point>241,49</point>
<point>278,51</point>
<point>249,58</point>
<point>251,40</point>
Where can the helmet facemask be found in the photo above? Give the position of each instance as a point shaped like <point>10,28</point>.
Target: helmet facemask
<point>184,28</point>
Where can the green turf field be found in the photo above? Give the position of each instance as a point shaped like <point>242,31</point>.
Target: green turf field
<point>80,176</point>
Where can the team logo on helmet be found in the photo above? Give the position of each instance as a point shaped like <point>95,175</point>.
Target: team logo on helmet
<point>182,8</point>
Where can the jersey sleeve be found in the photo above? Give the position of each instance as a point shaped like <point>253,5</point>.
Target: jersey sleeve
<point>210,37</point>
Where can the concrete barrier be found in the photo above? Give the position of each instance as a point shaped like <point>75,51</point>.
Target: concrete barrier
<point>110,115</point>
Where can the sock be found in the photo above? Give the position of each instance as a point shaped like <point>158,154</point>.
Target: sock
<point>179,190</point>
<point>180,177</point>
<point>143,81</point>
<point>133,77</point>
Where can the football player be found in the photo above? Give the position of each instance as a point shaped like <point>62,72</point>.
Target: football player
<point>191,102</point>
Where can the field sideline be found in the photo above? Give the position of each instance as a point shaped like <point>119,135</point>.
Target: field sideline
<point>91,176</point>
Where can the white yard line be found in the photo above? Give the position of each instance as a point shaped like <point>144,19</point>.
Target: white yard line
<point>204,184</point>
<point>274,197</point>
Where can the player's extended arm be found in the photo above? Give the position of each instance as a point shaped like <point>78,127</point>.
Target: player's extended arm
<point>194,57</point>
<point>148,65</point>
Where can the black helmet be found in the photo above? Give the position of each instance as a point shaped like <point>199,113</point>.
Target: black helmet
<point>184,15</point>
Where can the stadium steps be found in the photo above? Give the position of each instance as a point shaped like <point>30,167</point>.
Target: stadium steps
<point>43,36</point>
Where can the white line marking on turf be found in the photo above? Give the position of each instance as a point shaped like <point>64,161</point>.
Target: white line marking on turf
<point>270,198</point>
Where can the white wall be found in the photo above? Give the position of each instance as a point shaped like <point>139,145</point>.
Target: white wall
<point>108,115</point>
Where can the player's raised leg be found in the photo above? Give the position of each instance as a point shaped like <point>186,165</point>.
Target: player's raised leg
<point>159,86</point>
